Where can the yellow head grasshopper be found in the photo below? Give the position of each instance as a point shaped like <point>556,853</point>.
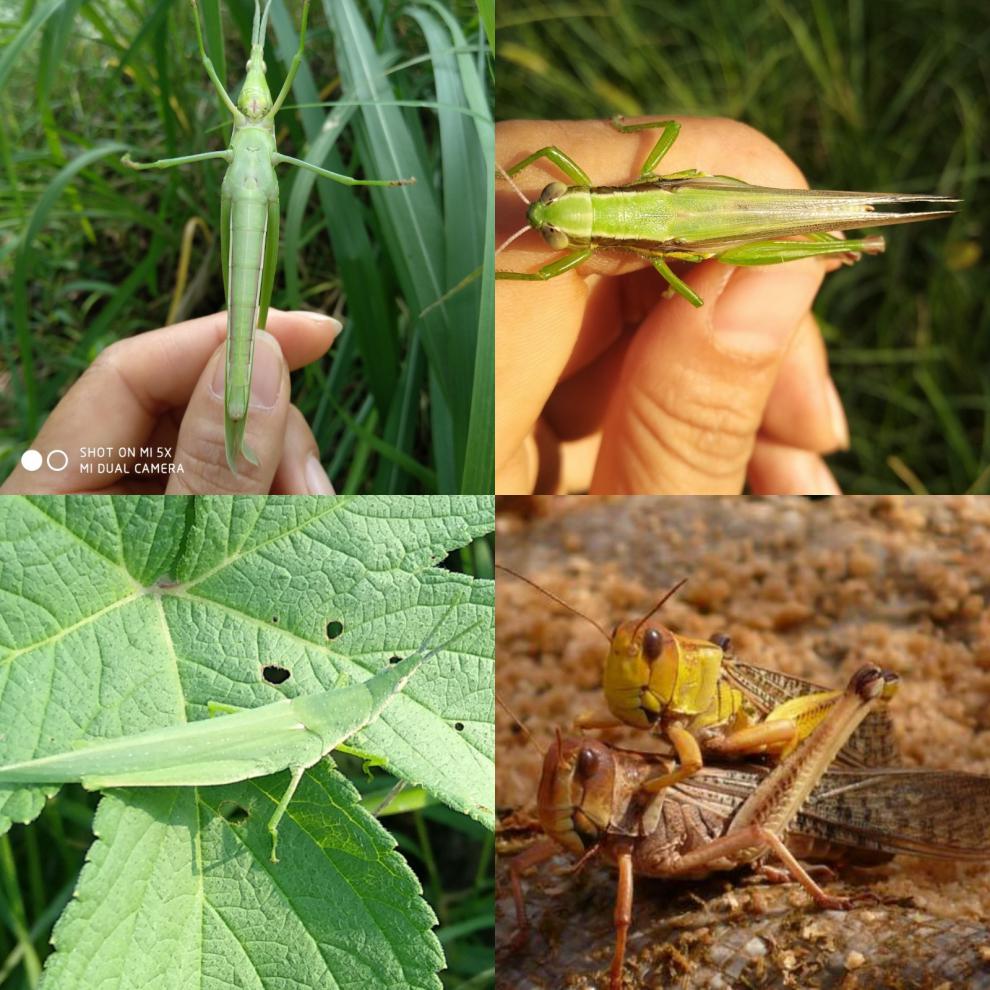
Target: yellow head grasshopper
<point>692,216</point>
<point>591,802</point>
<point>249,213</point>
<point>696,695</point>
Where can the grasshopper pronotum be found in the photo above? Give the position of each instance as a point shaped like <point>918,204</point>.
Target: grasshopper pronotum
<point>591,801</point>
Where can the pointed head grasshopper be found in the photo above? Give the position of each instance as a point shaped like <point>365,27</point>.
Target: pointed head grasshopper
<point>704,702</point>
<point>692,216</point>
<point>591,802</point>
<point>249,212</point>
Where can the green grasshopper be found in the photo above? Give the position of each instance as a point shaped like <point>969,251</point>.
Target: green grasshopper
<point>249,214</point>
<point>294,733</point>
<point>693,216</point>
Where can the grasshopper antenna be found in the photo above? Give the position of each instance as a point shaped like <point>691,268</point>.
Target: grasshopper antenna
<point>515,718</point>
<point>508,178</point>
<point>522,230</point>
<point>656,608</point>
<point>559,601</point>
<point>515,237</point>
<point>264,23</point>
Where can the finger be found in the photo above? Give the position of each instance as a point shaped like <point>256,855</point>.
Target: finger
<point>579,404</point>
<point>695,382</point>
<point>117,402</point>
<point>804,409</point>
<point>300,471</point>
<point>518,474</point>
<point>776,469</point>
<point>533,341</point>
<point>200,450</point>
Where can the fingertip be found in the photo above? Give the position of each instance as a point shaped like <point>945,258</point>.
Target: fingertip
<point>776,469</point>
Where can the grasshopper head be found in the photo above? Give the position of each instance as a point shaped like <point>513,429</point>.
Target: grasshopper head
<point>574,801</point>
<point>255,99</point>
<point>544,214</point>
<point>650,672</point>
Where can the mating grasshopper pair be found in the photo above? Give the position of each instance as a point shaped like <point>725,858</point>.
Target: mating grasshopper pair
<point>701,700</point>
<point>648,815</point>
<point>692,216</point>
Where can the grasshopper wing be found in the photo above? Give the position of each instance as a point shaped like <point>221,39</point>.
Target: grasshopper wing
<point>873,744</point>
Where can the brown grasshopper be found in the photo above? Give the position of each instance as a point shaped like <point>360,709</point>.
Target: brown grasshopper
<point>704,701</point>
<point>591,802</point>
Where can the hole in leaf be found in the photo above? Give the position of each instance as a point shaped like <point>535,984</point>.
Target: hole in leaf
<point>334,629</point>
<point>394,660</point>
<point>234,813</point>
<point>274,674</point>
<point>459,726</point>
<point>275,620</point>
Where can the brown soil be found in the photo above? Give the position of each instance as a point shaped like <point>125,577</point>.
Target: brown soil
<point>813,588</point>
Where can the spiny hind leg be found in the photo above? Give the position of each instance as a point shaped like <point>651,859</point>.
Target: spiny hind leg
<point>778,252</point>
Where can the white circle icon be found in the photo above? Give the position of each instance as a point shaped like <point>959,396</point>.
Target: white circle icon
<point>31,460</point>
<point>57,460</point>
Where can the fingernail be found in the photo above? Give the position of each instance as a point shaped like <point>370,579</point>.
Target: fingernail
<point>216,386</point>
<point>824,482</point>
<point>319,318</point>
<point>316,478</point>
<point>756,314</point>
<point>837,415</point>
<point>266,375</point>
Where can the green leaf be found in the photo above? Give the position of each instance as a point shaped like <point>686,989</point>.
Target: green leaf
<point>125,614</point>
<point>154,909</point>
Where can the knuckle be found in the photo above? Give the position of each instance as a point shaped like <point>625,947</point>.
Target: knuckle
<point>706,431</point>
<point>204,465</point>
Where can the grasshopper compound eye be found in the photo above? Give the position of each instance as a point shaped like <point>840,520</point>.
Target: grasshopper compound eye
<point>652,644</point>
<point>555,238</point>
<point>722,641</point>
<point>552,192</point>
<point>587,762</point>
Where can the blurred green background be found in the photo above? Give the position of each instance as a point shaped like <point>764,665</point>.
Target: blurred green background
<point>91,252</point>
<point>865,94</point>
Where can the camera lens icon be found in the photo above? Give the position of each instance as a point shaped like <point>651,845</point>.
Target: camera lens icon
<point>57,460</point>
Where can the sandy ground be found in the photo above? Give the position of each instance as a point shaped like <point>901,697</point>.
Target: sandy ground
<point>813,588</point>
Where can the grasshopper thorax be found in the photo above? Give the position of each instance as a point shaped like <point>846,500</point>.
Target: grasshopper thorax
<point>563,215</point>
<point>255,100</point>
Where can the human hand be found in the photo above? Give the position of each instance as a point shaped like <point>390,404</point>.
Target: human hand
<point>164,389</point>
<point>675,399</point>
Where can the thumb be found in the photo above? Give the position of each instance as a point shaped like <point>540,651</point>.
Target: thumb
<point>200,446</point>
<point>690,398</point>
